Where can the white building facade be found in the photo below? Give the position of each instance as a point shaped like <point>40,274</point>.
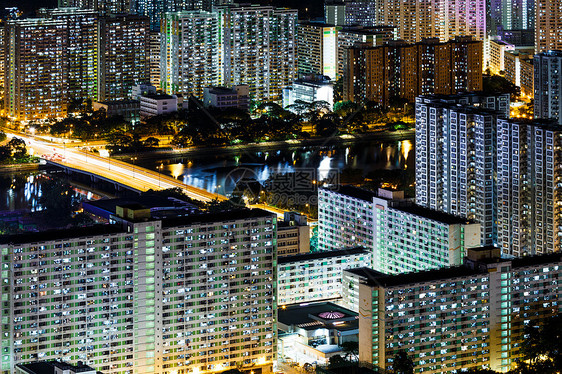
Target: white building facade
<point>457,318</point>
<point>455,156</point>
<point>316,276</point>
<point>403,237</point>
<point>229,46</point>
<point>187,295</point>
<point>309,90</point>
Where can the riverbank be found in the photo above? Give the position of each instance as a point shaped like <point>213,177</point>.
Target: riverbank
<point>276,145</point>
<point>35,166</point>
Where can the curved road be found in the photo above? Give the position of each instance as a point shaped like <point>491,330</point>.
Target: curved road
<point>135,177</point>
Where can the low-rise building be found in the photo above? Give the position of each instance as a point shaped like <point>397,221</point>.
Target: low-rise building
<point>155,104</point>
<point>401,236</point>
<point>224,97</point>
<point>293,235</point>
<point>142,89</point>
<point>128,109</point>
<point>460,317</point>
<point>54,367</point>
<point>309,89</point>
<point>316,276</point>
<point>315,332</point>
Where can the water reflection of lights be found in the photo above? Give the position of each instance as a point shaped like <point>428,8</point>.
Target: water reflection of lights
<point>324,168</point>
<point>206,172</point>
<point>405,147</point>
<point>176,170</point>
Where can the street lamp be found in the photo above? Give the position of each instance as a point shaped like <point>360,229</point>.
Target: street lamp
<point>159,170</point>
<point>133,159</point>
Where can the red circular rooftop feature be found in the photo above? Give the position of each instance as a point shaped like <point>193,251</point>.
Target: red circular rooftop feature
<point>331,315</point>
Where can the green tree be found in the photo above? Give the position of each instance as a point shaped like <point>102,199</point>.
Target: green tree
<point>56,198</point>
<point>350,350</point>
<point>542,346</point>
<point>151,142</point>
<point>402,363</point>
<point>336,361</point>
<point>480,370</point>
<point>18,148</point>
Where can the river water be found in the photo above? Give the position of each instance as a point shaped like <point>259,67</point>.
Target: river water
<point>22,190</point>
<point>219,172</point>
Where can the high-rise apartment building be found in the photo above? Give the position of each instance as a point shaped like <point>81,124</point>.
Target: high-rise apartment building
<point>548,85</point>
<point>104,6</point>
<point>548,26</point>
<point>334,13</point>
<point>317,49</point>
<point>528,166</point>
<point>35,79</point>
<point>415,20</point>
<point>232,45</point>
<point>190,53</point>
<point>511,15</point>
<point>123,55</point>
<point>184,295</point>
<point>520,71</point>
<point>401,70</point>
<point>456,318</point>
<point>353,36</point>
<point>81,54</point>
<point>259,49</point>
<point>154,44</point>
<point>2,62</point>
<point>402,236</point>
<point>455,156</point>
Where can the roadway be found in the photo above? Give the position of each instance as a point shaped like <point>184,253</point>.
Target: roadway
<point>130,175</point>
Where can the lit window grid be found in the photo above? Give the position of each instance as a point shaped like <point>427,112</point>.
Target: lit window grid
<point>105,340</point>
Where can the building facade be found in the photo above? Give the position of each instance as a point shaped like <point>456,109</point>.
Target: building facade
<point>317,49</point>
<point>402,70</point>
<point>104,6</point>
<point>548,26</point>
<point>190,58</point>
<point>229,46</point>
<point>81,57</point>
<point>191,294</point>
<point>352,36</point>
<point>35,72</point>
<point>416,20</point>
<point>456,318</point>
<point>223,97</point>
<point>528,164</point>
<point>309,89</point>
<point>402,236</point>
<point>293,235</point>
<point>157,104</point>
<point>155,44</point>
<point>123,55</point>
<point>548,86</point>
<point>498,50</point>
<point>259,48</point>
<point>316,276</point>
<point>519,70</point>
<point>455,156</point>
